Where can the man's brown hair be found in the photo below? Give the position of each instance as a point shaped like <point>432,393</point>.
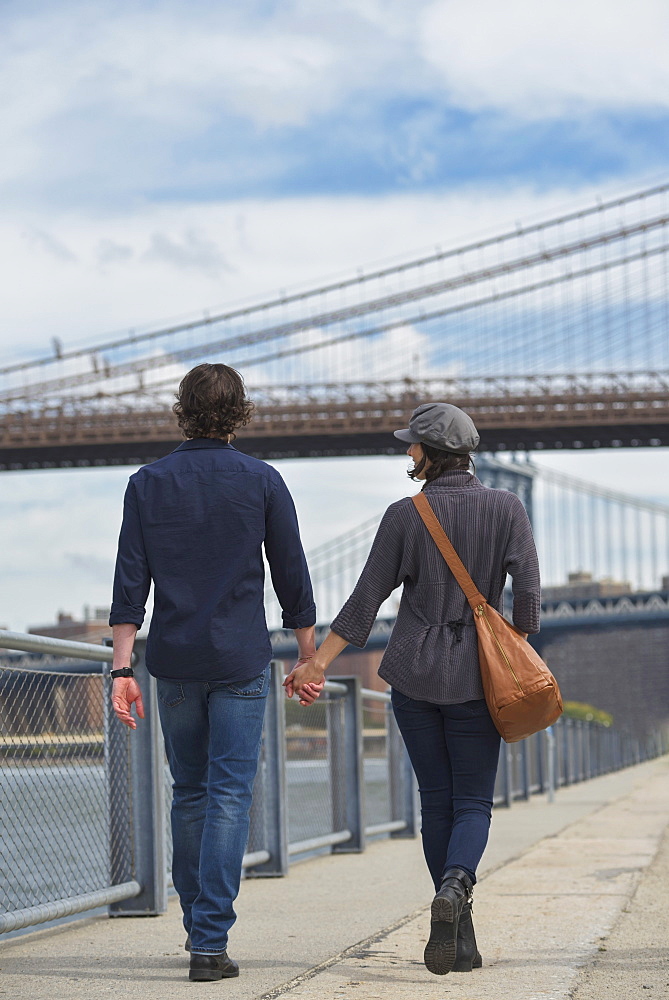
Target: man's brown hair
<point>212,402</point>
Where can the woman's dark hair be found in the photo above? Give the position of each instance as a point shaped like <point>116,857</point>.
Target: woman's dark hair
<point>440,462</point>
<point>212,402</point>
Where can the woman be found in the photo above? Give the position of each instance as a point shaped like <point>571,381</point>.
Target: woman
<point>431,661</point>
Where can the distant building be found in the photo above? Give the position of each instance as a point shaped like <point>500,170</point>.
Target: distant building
<point>581,586</point>
<point>91,627</point>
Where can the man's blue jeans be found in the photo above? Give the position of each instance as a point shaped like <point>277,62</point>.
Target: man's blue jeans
<point>212,737</point>
<point>454,751</point>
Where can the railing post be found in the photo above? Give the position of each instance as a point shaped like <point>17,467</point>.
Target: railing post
<point>580,732</point>
<point>346,766</point>
<point>587,754</point>
<point>550,757</point>
<point>540,758</point>
<point>557,734</point>
<point>269,793</point>
<point>403,787</point>
<point>506,761</point>
<point>568,751</point>
<point>146,773</point>
<point>524,769</point>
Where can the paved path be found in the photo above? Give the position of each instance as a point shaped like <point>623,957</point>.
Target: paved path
<point>573,902</point>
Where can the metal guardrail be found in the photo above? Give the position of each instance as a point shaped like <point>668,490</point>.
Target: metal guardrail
<point>70,769</point>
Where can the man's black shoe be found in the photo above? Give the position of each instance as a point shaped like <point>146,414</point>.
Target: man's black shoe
<point>187,944</point>
<point>209,968</point>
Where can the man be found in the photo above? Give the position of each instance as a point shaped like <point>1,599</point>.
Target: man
<point>194,523</point>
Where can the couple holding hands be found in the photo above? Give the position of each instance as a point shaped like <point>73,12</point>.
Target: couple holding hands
<point>195,524</point>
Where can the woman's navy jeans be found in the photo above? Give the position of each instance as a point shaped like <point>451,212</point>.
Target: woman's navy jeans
<point>454,750</point>
<point>212,737</point>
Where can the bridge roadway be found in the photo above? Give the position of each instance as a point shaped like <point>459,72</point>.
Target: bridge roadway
<point>570,904</point>
<point>513,413</point>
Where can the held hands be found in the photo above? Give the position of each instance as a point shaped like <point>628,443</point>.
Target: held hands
<point>124,692</point>
<point>306,679</point>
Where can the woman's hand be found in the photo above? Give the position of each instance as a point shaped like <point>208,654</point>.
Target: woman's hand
<point>306,679</point>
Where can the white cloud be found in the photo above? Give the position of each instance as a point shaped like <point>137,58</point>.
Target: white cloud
<point>102,102</point>
<point>191,250</point>
<point>551,58</point>
<point>111,252</point>
<point>84,84</point>
<point>50,245</point>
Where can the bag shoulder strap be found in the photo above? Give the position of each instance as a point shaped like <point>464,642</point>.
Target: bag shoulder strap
<point>443,542</point>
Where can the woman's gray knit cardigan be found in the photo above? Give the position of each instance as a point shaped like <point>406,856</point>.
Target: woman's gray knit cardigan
<point>432,654</point>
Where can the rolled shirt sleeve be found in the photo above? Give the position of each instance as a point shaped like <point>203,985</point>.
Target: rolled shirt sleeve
<point>381,574</point>
<point>522,564</point>
<point>287,562</point>
<point>132,578</point>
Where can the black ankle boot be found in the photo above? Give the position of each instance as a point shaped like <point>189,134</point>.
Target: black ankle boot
<point>211,968</point>
<point>455,892</point>
<point>467,955</point>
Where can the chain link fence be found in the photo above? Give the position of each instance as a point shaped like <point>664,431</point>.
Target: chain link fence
<point>56,811</point>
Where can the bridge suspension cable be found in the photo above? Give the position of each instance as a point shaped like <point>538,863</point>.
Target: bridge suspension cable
<point>361,278</point>
<point>582,289</point>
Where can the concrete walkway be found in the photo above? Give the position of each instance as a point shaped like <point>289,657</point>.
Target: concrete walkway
<point>572,901</point>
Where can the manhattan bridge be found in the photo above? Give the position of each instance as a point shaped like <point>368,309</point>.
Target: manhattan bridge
<point>553,335</point>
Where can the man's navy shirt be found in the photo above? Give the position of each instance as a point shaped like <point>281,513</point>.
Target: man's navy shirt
<point>195,522</point>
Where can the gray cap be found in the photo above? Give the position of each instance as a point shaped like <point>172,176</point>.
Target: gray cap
<point>443,426</point>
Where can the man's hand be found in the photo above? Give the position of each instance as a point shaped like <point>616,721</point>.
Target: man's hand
<point>125,692</point>
<point>306,679</point>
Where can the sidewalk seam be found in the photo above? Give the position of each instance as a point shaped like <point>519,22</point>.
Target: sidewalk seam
<point>346,953</point>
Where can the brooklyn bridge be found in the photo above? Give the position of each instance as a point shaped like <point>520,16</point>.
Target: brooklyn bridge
<point>552,335</point>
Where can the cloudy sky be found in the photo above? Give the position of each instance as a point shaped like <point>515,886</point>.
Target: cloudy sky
<point>163,158</point>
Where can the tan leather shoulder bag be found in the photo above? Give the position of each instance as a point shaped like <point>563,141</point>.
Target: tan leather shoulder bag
<point>522,695</point>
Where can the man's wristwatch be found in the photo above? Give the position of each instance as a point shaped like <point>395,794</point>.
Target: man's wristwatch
<point>123,672</point>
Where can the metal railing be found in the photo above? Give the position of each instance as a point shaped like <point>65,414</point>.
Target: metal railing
<point>572,750</point>
<point>84,802</point>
